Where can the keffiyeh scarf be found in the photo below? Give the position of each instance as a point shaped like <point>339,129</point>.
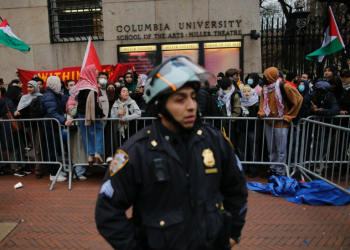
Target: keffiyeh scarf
<point>225,99</point>
<point>268,89</point>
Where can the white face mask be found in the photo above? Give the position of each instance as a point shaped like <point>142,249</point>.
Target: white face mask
<point>102,81</point>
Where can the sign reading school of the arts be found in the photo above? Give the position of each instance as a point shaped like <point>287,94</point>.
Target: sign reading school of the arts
<point>182,30</point>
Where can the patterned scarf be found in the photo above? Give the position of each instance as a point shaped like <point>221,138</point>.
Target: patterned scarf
<point>123,106</point>
<point>347,86</point>
<point>268,89</point>
<point>225,99</point>
<point>87,80</point>
<point>254,98</point>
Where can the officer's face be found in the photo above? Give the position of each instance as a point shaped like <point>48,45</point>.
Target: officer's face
<point>183,106</point>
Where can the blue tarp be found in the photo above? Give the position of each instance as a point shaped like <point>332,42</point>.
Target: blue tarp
<point>312,193</point>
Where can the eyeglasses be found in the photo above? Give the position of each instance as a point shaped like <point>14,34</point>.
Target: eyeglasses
<point>103,77</point>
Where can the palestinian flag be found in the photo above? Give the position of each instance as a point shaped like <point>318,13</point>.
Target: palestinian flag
<point>332,41</point>
<point>11,40</point>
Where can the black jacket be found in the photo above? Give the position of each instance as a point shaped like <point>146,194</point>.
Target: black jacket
<point>82,97</point>
<point>182,212</point>
<point>204,102</point>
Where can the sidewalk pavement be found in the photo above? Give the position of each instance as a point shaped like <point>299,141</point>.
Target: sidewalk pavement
<point>64,219</point>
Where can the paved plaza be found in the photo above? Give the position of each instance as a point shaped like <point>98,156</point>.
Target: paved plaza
<point>64,219</point>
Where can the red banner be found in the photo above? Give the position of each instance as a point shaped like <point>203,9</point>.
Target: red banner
<point>71,73</point>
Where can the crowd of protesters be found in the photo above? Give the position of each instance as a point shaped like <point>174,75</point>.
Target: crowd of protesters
<point>284,96</point>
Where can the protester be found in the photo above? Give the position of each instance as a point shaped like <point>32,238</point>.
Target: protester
<point>321,102</point>
<point>292,79</point>
<point>76,142</point>
<point>2,88</point>
<point>274,105</point>
<point>40,83</point>
<point>102,82</point>
<point>126,110</point>
<point>249,131</point>
<point>121,79</point>
<point>34,131</point>
<point>344,102</point>
<point>86,93</point>
<point>129,82</point>
<point>51,107</point>
<point>68,86</point>
<point>252,80</point>
<point>304,87</point>
<point>110,142</point>
<point>229,98</point>
<point>330,73</point>
<point>308,77</point>
<point>11,142</point>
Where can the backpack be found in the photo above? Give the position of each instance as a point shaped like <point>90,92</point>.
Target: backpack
<point>35,111</point>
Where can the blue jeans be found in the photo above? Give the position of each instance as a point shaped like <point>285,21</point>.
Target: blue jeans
<point>81,170</point>
<point>92,136</point>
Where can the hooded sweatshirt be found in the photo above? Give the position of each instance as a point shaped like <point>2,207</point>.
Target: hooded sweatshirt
<point>291,106</point>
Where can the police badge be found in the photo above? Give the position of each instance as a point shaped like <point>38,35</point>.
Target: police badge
<point>208,158</point>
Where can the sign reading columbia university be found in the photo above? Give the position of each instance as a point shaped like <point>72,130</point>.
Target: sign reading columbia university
<point>183,30</point>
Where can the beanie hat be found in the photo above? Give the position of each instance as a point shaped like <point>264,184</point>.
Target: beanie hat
<point>221,75</point>
<point>225,83</point>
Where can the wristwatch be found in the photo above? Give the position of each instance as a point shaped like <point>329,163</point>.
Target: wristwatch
<point>237,239</point>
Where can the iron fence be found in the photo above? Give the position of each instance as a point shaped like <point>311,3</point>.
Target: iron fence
<point>285,46</point>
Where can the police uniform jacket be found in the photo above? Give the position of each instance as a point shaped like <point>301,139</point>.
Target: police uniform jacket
<point>178,207</point>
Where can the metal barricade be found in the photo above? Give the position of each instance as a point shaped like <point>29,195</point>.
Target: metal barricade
<point>324,144</point>
<point>252,147</point>
<point>78,135</point>
<point>251,142</point>
<point>31,144</point>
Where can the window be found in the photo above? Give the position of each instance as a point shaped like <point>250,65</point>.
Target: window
<point>75,20</point>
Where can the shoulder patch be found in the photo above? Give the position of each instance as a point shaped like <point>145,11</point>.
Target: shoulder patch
<point>107,189</point>
<point>118,162</point>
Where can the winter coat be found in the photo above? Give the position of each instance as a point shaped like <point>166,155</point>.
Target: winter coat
<point>50,106</point>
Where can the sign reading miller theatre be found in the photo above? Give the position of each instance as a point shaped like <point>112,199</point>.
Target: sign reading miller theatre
<point>213,33</point>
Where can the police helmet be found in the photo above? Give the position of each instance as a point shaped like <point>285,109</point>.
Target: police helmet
<point>173,74</point>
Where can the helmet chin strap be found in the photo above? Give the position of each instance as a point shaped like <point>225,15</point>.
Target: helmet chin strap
<point>167,115</point>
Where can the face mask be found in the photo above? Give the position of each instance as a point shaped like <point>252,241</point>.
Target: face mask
<point>301,88</point>
<point>250,81</point>
<point>103,81</point>
<point>235,79</point>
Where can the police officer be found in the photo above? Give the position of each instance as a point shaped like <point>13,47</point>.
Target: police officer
<point>176,173</point>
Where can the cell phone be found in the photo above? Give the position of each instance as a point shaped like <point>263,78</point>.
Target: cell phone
<point>318,109</point>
